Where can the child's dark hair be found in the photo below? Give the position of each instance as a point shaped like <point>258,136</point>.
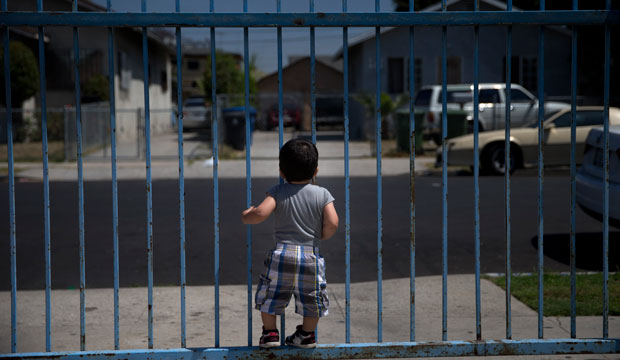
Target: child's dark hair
<point>299,159</point>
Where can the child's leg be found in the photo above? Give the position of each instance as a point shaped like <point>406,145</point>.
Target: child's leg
<point>309,324</point>
<point>269,321</point>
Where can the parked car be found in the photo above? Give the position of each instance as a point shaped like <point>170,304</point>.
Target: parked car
<point>329,111</point>
<point>590,177</point>
<point>291,116</point>
<point>492,107</point>
<point>524,141</point>
<point>196,115</point>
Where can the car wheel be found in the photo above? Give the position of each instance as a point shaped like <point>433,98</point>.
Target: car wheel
<point>494,158</point>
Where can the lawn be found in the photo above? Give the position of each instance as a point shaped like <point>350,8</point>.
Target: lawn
<point>556,290</point>
<point>31,151</point>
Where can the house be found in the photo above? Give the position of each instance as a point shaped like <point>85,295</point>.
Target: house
<point>296,84</point>
<point>195,58</point>
<point>460,56</point>
<point>93,43</point>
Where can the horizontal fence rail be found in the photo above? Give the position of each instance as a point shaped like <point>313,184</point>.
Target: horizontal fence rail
<point>354,351</point>
<point>212,20</point>
<point>568,17</point>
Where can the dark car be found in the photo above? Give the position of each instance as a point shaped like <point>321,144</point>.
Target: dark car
<point>329,111</point>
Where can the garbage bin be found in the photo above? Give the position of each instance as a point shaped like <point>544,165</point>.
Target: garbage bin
<point>402,126</point>
<point>234,126</point>
<point>457,123</point>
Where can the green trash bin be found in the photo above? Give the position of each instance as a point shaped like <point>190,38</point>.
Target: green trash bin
<point>457,126</point>
<point>402,129</point>
<point>457,123</point>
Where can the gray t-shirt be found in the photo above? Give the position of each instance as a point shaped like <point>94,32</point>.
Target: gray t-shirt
<point>298,217</point>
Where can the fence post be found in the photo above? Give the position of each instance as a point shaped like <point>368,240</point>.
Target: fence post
<point>139,148</point>
<point>66,127</point>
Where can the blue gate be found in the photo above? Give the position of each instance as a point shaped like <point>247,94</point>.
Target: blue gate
<point>541,18</point>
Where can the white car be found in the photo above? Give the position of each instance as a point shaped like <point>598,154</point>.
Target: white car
<point>196,115</point>
<point>590,177</point>
<point>524,142</point>
<point>492,107</point>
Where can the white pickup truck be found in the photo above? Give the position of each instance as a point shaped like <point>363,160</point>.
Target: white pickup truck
<point>492,98</point>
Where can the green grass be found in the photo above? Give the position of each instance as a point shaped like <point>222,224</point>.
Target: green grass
<point>31,151</point>
<point>556,293</point>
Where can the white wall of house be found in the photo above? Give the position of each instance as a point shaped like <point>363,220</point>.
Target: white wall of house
<point>129,85</point>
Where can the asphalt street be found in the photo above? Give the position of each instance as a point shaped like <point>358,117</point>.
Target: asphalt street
<point>232,234</point>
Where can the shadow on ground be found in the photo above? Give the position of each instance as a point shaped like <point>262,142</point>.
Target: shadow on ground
<point>589,249</point>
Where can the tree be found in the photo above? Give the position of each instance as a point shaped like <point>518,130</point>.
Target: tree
<point>24,74</point>
<point>229,76</point>
<point>96,88</point>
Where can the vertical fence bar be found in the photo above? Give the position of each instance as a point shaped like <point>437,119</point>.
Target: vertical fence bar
<point>541,115</point>
<point>312,77</point>
<point>347,195</point>
<point>606,189</point>
<point>111,58</point>
<point>280,84</point>
<point>477,171</point>
<point>507,166</point>
<point>216,197</point>
<point>280,133</point>
<point>573,183</point>
<point>248,167</point>
<point>149,194</point>
<point>9,141</point>
<point>412,145</point>
<point>444,186</point>
<point>78,121</point>
<point>181,175</point>
<point>46,184</point>
<point>379,182</point>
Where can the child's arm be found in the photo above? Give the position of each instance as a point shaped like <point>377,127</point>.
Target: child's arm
<point>258,214</point>
<point>330,221</point>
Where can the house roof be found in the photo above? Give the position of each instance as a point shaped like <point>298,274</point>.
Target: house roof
<point>500,5</point>
<point>328,61</point>
<point>159,35</point>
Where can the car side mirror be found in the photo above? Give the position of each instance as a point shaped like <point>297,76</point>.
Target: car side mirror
<point>549,126</point>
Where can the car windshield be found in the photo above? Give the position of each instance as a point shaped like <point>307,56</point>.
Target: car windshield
<point>457,96</point>
<point>195,102</point>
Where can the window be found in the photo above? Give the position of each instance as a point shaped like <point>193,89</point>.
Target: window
<point>517,95</point>
<point>395,75</point>
<point>418,73</point>
<point>529,69</point>
<point>124,70</point>
<point>514,70</point>
<point>163,78</point>
<point>454,67</point>
<point>488,96</point>
<point>589,118</point>
<point>192,65</point>
<point>563,120</point>
<point>457,96</point>
<point>584,118</point>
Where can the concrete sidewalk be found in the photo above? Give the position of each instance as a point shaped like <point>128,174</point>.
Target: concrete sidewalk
<point>233,316</point>
<point>264,161</point>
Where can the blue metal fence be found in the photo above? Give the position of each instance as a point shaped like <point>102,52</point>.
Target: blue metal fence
<point>311,20</point>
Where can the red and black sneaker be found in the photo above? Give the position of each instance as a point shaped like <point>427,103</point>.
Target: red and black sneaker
<point>270,338</point>
<point>301,339</point>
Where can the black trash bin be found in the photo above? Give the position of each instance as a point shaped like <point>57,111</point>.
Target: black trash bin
<point>234,126</point>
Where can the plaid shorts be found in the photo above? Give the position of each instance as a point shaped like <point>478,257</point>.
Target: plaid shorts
<point>293,270</point>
